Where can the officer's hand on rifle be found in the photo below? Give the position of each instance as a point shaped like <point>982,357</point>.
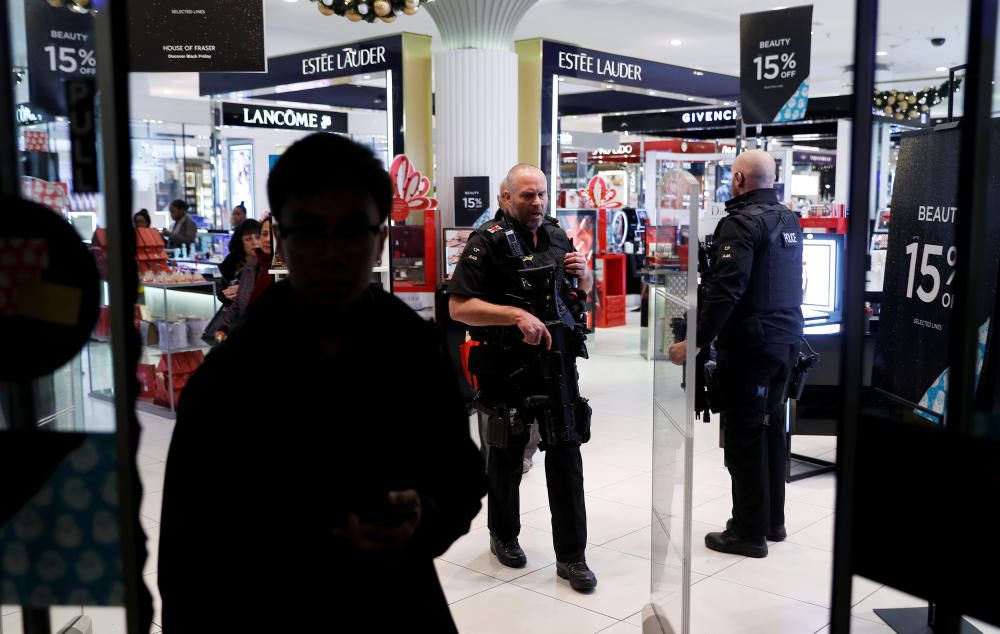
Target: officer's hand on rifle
<point>678,352</point>
<point>533,330</point>
<point>575,264</point>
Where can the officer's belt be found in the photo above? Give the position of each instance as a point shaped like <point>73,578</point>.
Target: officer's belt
<point>517,251</point>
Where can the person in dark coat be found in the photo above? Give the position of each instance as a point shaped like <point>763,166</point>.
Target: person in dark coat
<point>318,502</point>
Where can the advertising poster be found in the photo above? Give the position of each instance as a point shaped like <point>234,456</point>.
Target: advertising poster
<point>241,177</point>
<point>454,245</point>
<point>775,47</point>
<point>60,47</point>
<point>920,269</point>
<point>581,227</point>
<point>196,36</point>
<point>472,199</point>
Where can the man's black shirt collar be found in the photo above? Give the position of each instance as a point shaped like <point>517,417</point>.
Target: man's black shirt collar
<point>525,233</point>
<point>767,195</point>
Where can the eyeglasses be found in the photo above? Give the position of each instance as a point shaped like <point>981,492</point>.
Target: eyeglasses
<point>345,235</point>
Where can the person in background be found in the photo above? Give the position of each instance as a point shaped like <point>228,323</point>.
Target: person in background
<point>238,215</point>
<point>341,540</point>
<point>184,230</point>
<point>141,219</point>
<point>243,247</point>
<point>264,259</point>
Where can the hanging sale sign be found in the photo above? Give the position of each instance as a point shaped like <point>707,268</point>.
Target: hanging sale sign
<point>775,47</point>
<point>60,47</point>
<point>197,36</point>
<point>472,199</point>
<point>920,269</point>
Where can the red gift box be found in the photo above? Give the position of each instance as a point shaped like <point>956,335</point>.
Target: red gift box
<point>182,366</point>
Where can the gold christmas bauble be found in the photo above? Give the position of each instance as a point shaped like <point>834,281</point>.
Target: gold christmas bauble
<point>56,3</point>
<point>388,19</point>
<point>410,10</point>
<point>924,108</point>
<point>382,8</point>
<point>892,99</point>
<point>911,99</point>
<point>899,116</point>
<point>353,16</point>
<point>412,4</point>
<point>914,114</point>
<point>888,110</point>
<point>325,10</point>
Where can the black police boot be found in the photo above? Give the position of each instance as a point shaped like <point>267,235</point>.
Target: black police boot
<point>509,553</point>
<point>775,535</point>
<point>579,575</point>
<point>730,542</point>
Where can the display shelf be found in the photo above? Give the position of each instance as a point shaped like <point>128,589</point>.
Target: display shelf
<point>159,350</point>
<point>181,285</point>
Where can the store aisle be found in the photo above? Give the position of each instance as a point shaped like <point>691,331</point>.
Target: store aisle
<point>786,593</point>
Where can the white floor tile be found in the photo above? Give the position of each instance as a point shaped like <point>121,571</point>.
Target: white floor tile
<point>623,627</point>
<point>9,609</point>
<point>637,544</point>
<point>719,607</point>
<point>105,620</point>
<point>150,506</point>
<point>461,583</point>
<point>668,583</point>
<point>11,623</point>
<point>606,520</point>
<point>820,490</point>
<point>986,628</point>
<point>703,559</point>
<point>818,535</point>
<point>154,589</point>
<point>885,597</point>
<point>861,626</point>
<point>597,474</point>
<point>153,548</point>
<point>793,571</point>
<point>630,454</point>
<point>637,492</point>
<point>509,608</point>
<point>152,476</point>
<point>622,590</point>
<point>472,551</point>
<point>797,514</point>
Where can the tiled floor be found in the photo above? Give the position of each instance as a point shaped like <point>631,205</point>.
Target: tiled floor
<point>786,593</point>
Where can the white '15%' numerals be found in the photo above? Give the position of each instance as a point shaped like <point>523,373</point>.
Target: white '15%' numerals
<point>930,270</point>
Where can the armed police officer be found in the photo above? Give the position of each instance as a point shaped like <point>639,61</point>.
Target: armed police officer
<point>514,288</point>
<point>751,300</point>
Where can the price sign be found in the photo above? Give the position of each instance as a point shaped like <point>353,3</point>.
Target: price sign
<point>911,352</point>
<point>472,199</point>
<point>60,47</point>
<point>775,48</point>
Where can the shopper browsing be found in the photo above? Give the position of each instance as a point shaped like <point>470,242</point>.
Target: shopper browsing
<point>318,503</point>
<point>248,237</point>
<point>238,215</point>
<point>523,249</point>
<point>141,219</point>
<point>751,300</point>
<point>184,230</point>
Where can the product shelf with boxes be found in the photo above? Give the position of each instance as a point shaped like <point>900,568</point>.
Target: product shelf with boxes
<point>171,320</point>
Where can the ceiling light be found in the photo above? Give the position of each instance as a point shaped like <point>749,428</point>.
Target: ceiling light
<point>291,0</point>
<point>366,76</point>
<point>941,69</point>
<point>698,73</point>
<point>675,42</point>
<point>690,98</point>
<point>652,92</point>
<point>882,53</point>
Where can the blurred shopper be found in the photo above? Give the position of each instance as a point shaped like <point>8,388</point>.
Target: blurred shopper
<point>751,300</point>
<point>248,237</point>
<point>141,219</point>
<point>264,259</point>
<point>184,230</point>
<point>270,511</point>
<point>238,215</point>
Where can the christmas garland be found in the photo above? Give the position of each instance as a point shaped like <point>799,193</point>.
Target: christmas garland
<point>367,10</point>
<point>901,104</point>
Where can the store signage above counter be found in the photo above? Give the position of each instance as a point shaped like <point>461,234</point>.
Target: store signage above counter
<point>814,158</point>
<point>711,116</point>
<point>197,36</point>
<point>775,50</point>
<point>255,116</point>
<point>369,56</point>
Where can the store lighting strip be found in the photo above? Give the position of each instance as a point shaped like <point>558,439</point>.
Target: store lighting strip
<point>554,155</point>
<point>391,154</point>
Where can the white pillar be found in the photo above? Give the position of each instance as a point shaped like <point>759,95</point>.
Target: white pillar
<point>475,120</point>
<point>843,176</point>
<point>475,86</point>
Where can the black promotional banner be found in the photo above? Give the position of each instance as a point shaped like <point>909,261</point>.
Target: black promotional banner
<point>472,199</point>
<point>911,351</point>
<point>60,47</point>
<point>81,101</point>
<point>775,48</point>
<point>196,35</point>
<point>255,116</point>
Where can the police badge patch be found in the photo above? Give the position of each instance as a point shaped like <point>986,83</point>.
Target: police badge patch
<point>495,228</point>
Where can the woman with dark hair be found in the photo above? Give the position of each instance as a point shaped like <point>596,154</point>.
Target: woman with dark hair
<point>142,220</point>
<point>246,246</point>
<point>265,256</point>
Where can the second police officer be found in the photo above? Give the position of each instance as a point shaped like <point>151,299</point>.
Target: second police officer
<point>512,287</point>
<point>751,301</point>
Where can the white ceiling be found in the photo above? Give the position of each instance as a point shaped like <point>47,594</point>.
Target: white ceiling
<point>708,31</point>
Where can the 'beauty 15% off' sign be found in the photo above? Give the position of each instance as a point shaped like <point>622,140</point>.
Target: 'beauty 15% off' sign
<point>932,266</point>
<point>60,47</point>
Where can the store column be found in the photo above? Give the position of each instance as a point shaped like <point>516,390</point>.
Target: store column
<point>475,88</point>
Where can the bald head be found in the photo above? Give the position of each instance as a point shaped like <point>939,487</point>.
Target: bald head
<point>524,195</point>
<point>503,187</point>
<point>753,169</point>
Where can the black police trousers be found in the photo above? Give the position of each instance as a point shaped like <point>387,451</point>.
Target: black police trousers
<point>564,477</point>
<point>754,383</point>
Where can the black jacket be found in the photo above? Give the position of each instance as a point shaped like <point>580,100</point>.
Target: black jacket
<point>275,443</point>
<point>752,294</point>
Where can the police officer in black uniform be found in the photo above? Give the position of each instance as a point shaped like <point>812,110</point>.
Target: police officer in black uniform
<point>751,300</point>
<point>504,261</point>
